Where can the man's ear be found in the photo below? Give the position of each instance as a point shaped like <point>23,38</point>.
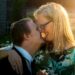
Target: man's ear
<point>27,36</point>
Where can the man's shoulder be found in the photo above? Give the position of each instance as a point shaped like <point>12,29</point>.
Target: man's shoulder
<point>4,57</point>
<point>10,61</point>
<point>6,67</point>
<point>11,57</point>
<point>3,54</point>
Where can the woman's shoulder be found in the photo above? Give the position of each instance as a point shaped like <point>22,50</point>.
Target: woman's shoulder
<point>70,50</point>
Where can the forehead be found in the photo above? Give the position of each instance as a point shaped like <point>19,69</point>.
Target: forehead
<point>31,24</point>
<point>41,18</point>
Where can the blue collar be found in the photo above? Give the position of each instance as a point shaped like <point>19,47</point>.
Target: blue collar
<point>24,53</point>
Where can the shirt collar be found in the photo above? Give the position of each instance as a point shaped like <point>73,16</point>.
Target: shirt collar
<point>24,53</point>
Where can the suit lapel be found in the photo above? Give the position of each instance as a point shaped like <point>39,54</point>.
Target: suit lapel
<point>23,62</point>
<point>15,61</point>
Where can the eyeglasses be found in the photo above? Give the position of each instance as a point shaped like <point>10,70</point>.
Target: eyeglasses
<point>42,26</point>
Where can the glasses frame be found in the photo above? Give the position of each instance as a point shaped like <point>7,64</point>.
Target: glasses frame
<point>42,26</point>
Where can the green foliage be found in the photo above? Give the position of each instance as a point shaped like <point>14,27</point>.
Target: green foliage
<point>17,6</point>
<point>41,60</point>
<point>5,40</point>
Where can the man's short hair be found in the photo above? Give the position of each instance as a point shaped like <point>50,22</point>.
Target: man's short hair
<point>18,29</point>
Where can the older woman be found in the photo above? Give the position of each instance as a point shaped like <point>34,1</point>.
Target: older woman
<point>54,25</point>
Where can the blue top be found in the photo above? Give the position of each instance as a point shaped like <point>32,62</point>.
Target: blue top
<point>64,65</point>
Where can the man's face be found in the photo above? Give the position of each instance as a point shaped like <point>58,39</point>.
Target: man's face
<point>35,34</point>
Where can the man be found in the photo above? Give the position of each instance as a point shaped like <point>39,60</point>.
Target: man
<point>26,41</point>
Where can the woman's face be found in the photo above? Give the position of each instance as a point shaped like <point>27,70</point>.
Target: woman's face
<point>46,27</point>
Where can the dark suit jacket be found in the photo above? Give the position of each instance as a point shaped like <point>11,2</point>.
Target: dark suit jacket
<point>12,63</point>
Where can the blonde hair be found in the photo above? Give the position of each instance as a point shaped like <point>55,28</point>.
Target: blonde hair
<point>62,30</point>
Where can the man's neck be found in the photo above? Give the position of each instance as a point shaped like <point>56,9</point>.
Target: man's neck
<point>30,48</point>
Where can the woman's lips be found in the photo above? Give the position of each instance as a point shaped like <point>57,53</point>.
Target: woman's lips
<point>44,35</point>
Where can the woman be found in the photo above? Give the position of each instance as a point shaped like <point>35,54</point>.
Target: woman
<point>54,25</point>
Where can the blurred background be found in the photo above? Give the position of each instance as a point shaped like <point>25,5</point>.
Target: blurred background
<point>12,10</point>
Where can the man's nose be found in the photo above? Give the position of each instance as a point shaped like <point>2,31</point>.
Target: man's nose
<point>40,29</point>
